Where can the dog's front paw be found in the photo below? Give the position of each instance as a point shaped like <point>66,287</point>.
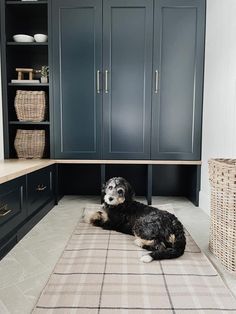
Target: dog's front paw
<point>91,216</point>
<point>138,242</point>
<point>98,218</point>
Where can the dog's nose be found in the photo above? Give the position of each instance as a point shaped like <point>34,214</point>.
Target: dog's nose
<point>110,199</point>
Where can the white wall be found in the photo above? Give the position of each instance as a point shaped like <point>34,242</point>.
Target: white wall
<point>219,104</point>
<point>1,126</point>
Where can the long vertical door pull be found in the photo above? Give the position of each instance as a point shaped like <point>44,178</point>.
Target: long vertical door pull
<point>98,82</point>
<point>106,81</point>
<point>156,81</point>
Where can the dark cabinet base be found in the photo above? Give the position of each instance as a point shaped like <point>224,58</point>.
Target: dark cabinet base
<point>24,205</point>
<point>17,234</point>
<point>87,179</point>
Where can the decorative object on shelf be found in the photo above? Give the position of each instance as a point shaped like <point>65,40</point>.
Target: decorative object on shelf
<point>22,38</point>
<point>44,74</point>
<point>222,175</point>
<point>29,143</point>
<point>40,38</point>
<point>20,76</point>
<point>30,105</point>
<point>22,71</point>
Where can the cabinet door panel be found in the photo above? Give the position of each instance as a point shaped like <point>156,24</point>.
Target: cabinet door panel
<point>40,188</point>
<point>12,205</point>
<point>127,56</point>
<point>76,28</point>
<point>178,58</point>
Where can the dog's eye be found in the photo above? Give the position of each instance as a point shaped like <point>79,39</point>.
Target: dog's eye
<point>120,192</point>
<point>110,187</point>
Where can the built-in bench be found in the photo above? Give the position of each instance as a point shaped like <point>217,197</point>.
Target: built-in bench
<point>30,188</point>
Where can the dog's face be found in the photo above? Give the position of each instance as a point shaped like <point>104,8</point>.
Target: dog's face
<point>117,190</point>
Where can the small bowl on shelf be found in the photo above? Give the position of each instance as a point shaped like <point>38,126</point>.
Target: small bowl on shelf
<point>22,38</point>
<point>40,38</point>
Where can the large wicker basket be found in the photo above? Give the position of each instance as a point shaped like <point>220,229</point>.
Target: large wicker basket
<point>30,105</point>
<point>30,143</point>
<point>222,173</point>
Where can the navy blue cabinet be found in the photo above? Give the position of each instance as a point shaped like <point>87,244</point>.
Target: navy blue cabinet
<point>127,78</point>
<point>13,208</point>
<point>178,78</point>
<point>23,202</point>
<point>77,65</point>
<point>127,63</point>
<point>40,188</point>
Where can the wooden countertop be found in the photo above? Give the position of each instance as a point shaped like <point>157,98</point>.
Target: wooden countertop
<point>14,168</point>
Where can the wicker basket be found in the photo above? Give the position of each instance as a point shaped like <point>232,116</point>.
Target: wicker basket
<point>30,143</point>
<point>222,173</point>
<point>30,105</point>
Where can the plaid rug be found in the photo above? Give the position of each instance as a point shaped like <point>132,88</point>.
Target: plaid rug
<point>100,272</point>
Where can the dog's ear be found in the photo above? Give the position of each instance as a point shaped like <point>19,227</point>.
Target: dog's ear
<point>129,192</point>
<point>103,189</point>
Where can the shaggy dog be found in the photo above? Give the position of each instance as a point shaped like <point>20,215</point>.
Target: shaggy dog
<point>155,230</point>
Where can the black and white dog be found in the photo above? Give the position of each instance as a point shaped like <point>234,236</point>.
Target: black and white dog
<point>155,230</point>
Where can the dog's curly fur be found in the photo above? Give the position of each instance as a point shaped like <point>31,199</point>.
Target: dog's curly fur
<point>155,230</point>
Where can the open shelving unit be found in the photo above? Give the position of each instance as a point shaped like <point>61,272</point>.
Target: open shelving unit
<point>23,17</point>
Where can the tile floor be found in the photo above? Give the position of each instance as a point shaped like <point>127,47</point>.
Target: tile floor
<point>26,269</point>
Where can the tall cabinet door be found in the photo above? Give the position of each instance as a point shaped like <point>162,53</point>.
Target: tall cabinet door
<point>77,56</point>
<point>177,79</point>
<point>127,59</point>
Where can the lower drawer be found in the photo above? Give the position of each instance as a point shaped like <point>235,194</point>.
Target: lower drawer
<point>40,188</point>
<point>12,205</point>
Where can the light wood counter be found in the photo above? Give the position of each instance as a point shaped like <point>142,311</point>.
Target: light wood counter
<point>13,168</point>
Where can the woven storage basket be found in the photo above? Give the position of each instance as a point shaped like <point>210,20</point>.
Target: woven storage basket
<point>30,105</point>
<point>222,173</point>
<point>30,143</point>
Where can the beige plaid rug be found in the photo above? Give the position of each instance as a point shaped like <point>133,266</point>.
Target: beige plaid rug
<point>100,272</point>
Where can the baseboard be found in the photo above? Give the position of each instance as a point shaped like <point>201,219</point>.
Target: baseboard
<point>204,201</point>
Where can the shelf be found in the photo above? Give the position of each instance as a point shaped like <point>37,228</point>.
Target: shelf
<point>13,43</point>
<point>24,17</point>
<point>26,2</point>
<point>29,123</point>
<point>28,84</point>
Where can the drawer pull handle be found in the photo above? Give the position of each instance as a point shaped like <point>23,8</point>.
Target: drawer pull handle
<point>4,211</point>
<point>41,188</point>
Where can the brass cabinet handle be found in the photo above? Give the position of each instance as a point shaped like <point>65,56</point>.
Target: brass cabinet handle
<point>40,187</point>
<point>98,82</point>
<point>4,210</point>
<point>156,81</point>
<point>106,81</point>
